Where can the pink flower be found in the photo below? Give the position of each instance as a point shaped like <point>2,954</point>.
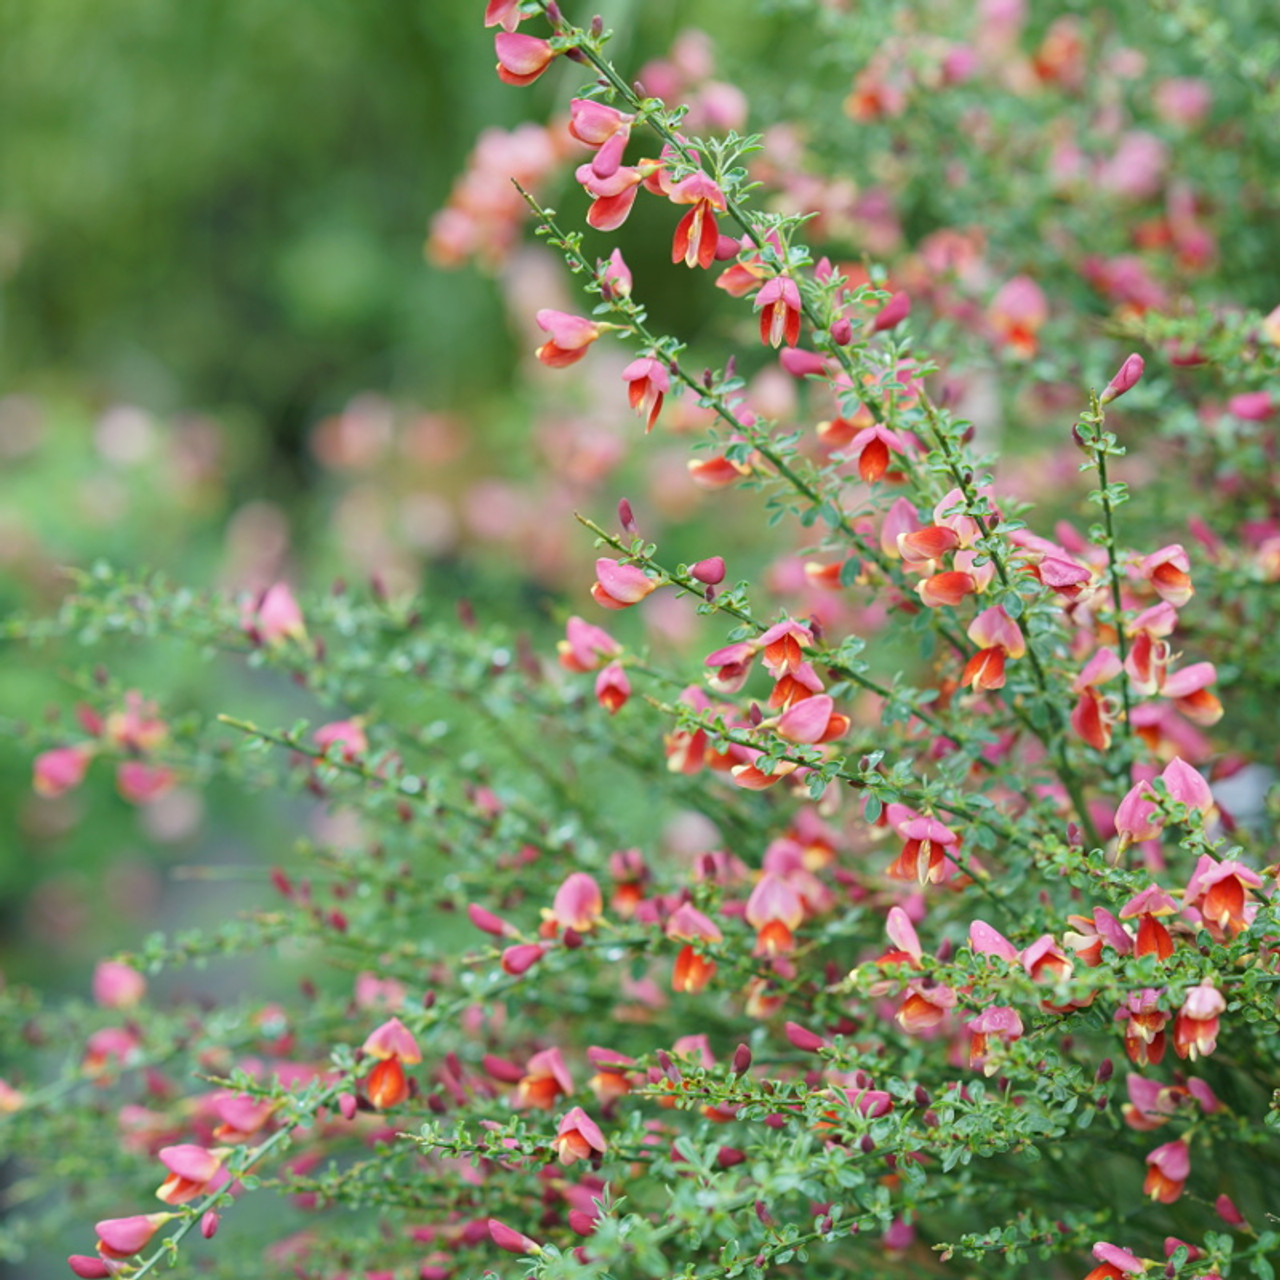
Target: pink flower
<point>1168,1168</point>
<point>578,904</point>
<point>595,123</point>
<point>349,735</point>
<point>521,59</point>
<point>986,940</point>
<point>812,720</point>
<point>577,1137</point>
<point>999,1021</point>
<point>783,645</point>
<point>948,588</point>
<point>618,586</point>
<point>193,1170</point>
<point>275,618</point>
<point>546,1077</point>
<point>1195,1029</point>
<point>613,688</point>
<point>570,337</point>
<point>802,364</point>
<point>117,985</point>
<point>62,769</point>
<point>779,305</point>
<point>1138,817</point>
<point>391,1045</point>
<point>1017,314</point>
<point>123,1237</point>
<point>1220,892</point>
<point>647,382</point>
<point>585,647</point>
<point>1094,715</point>
<point>1168,571</point>
<point>502,13</point>
<point>489,923</point>
<point>711,570</point>
<point>774,910</point>
<point>141,783</point>
<point>1120,1260</point>
<point>872,448</point>
<point>612,197</point>
<point>924,855</point>
<point>615,276</point>
<point>1144,1022</point>
<point>392,1040</point>
<point>696,234</point>
<point>602,127</point>
<point>924,1008</point>
<point>998,637</point>
<point>1188,689</point>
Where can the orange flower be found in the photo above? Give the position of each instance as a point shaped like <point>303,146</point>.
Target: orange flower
<point>392,1044</point>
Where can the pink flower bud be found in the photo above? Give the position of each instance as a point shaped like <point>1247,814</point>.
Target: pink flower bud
<point>1228,1212</point>
<point>710,571</point>
<point>510,1239</point>
<point>488,922</point>
<point>209,1225</point>
<point>616,275</point>
<point>521,958</point>
<point>892,314</point>
<point>803,1038</point>
<point>123,1237</point>
<point>800,363</point>
<point>521,59</point>
<point>1252,406</point>
<point>88,1268</point>
<point>1125,380</point>
<point>570,335</point>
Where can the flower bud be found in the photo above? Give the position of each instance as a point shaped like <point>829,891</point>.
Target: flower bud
<point>1125,380</point>
<point>803,1038</point>
<point>842,332</point>
<point>89,1268</point>
<point>892,314</point>
<point>741,1060</point>
<point>711,571</point>
<point>209,1225</point>
<point>1228,1212</point>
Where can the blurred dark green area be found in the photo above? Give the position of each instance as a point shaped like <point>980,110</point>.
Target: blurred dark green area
<point>223,205</point>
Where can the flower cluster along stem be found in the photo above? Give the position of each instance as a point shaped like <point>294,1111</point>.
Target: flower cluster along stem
<point>193,1213</point>
<point>1099,453</point>
<point>736,211</point>
<point>1053,738</point>
<point>808,901</point>
<point>689,584</point>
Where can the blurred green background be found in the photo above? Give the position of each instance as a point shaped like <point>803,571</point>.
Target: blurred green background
<point>222,205</point>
